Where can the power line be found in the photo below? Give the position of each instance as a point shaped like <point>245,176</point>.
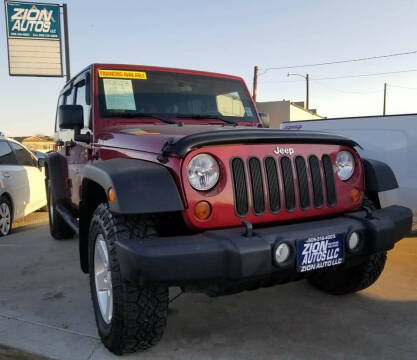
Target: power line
<point>338,61</point>
<point>403,87</point>
<point>366,75</point>
<point>348,92</point>
<point>345,76</point>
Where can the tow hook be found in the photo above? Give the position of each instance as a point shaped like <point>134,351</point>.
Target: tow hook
<point>368,211</point>
<point>248,228</point>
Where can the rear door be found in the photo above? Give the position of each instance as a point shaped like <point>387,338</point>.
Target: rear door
<point>13,180</point>
<point>35,178</point>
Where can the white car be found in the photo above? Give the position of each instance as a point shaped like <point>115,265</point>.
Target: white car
<point>22,183</point>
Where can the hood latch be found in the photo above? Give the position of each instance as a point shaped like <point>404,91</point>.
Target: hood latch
<point>162,157</point>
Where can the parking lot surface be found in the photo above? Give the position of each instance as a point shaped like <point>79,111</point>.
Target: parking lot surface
<point>45,309</point>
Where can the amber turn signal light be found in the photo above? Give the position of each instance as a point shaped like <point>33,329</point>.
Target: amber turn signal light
<point>202,210</point>
<point>111,194</point>
<point>355,195</point>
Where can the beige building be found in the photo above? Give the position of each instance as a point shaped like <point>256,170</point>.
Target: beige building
<point>285,110</point>
<point>38,143</point>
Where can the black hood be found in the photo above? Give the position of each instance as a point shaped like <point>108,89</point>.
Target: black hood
<point>251,136</point>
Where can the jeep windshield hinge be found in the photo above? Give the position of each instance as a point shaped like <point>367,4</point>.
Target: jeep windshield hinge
<point>162,157</point>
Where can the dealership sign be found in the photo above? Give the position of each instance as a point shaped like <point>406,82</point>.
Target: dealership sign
<point>33,38</point>
<point>33,21</point>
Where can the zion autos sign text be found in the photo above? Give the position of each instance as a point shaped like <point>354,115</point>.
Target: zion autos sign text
<point>33,21</point>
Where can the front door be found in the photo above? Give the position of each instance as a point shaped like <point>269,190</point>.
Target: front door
<point>76,151</point>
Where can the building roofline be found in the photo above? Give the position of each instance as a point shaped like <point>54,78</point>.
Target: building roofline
<point>307,110</point>
<point>357,117</point>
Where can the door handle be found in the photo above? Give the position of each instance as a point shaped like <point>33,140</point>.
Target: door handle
<point>6,175</point>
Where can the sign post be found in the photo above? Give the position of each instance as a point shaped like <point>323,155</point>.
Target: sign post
<point>34,39</point>
<point>67,58</point>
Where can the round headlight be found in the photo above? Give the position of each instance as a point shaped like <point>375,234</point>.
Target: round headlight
<point>345,164</point>
<point>203,172</point>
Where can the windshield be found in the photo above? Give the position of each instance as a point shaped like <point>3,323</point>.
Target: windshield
<point>173,95</point>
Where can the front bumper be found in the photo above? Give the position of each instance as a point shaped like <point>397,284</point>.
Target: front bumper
<point>228,255</point>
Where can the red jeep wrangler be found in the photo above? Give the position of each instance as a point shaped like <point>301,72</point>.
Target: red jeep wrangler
<point>168,180</point>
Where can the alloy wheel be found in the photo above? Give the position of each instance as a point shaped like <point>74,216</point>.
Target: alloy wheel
<point>103,281</point>
<point>5,218</point>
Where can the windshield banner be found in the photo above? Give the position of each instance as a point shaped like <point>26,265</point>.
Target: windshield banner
<point>122,74</point>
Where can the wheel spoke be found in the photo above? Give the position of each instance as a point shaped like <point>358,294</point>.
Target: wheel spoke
<point>102,251</point>
<point>101,280</point>
<point>109,307</point>
<point>102,297</point>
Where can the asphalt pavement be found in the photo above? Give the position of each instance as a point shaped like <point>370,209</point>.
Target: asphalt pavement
<point>45,309</point>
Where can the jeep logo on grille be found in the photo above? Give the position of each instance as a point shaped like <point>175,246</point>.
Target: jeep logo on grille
<point>283,151</point>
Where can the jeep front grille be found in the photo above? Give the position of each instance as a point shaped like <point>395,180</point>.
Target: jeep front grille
<point>297,174</point>
<point>288,180</point>
<point>329,176</point>
<point>240,188</point>
<point>303,190</point>
<point>274,192</point>
<point>258,197</point>
<point>318,199</point>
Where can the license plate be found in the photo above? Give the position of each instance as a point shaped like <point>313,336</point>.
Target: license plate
<point>320,252</point>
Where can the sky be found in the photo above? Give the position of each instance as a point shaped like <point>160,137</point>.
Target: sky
<point>232,37</point>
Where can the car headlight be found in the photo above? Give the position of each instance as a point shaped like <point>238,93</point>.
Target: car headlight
<point>203,172</point>
<point>345,164</point>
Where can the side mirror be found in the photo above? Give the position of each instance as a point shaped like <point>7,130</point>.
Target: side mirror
<point>71,117</point>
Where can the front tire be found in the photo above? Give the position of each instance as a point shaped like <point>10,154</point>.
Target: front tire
<point>345,281</point>
<point>5,216</point>
<point>133,317</point>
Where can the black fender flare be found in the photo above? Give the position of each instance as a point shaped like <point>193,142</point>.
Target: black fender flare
<point>378,176</point>
<point>56,171</point>
<point>140,186</point>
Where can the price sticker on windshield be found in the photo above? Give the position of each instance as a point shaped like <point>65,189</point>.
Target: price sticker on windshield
<point>122,74</point>
<point>119,94</point>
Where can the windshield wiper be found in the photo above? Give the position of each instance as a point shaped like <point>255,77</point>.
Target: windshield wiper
<point>143,115</point>
<point>202,116</point>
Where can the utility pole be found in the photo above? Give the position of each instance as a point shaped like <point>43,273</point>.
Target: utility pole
<point>255,82</point>
<point>385,99</point>
<point>66,32</point>
<point>307,91</point>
